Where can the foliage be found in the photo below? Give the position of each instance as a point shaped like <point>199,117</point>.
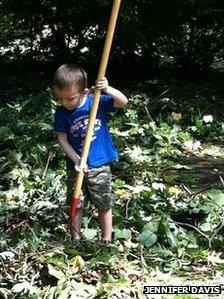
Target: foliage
<point>161,230</point>
<point>182,34</point>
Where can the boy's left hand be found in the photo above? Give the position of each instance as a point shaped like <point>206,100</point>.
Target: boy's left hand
<point>79,167</point>
<point>102,84</point>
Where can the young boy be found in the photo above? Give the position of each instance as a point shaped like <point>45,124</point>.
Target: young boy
<point>70,125</point>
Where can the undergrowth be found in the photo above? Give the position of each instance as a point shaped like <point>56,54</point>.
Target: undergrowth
<point>161,229</point>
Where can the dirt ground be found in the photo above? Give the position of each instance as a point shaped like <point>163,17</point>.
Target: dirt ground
<point>202,173</point>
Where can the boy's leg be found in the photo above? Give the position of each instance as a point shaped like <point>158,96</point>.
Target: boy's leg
<point>99,187</point>
<point>76,223</point>
<point>105,218</point>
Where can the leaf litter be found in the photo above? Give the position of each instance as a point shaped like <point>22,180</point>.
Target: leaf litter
<point>164,234</point>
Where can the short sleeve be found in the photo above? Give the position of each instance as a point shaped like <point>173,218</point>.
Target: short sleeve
<point>59,122</point>
<point>107,103</point>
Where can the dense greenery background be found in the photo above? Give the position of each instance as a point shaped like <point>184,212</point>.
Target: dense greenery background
<point>173,34</point>
<point>167,56</point>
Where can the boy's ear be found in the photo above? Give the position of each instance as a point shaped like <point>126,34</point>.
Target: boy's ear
<point>86,90</point>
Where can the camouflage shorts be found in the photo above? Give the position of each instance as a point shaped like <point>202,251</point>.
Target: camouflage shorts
<point>96,187</point>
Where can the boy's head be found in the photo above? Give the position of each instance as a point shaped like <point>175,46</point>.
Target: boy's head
<point>70,84</point>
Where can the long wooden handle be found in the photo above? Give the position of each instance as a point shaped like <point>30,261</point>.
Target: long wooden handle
<point>93,112</point>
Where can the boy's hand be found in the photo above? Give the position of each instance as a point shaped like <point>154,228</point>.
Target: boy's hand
<point>102,84</point>
<point>78,167</point>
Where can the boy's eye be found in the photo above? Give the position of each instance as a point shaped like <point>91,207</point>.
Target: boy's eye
<point>68,99</point>
<point>73,98</point>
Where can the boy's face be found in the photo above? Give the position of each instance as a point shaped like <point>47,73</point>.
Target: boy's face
<point>69,97</point>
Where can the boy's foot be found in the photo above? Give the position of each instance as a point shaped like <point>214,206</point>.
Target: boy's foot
<point>105,245</point>
<point>106,242</point>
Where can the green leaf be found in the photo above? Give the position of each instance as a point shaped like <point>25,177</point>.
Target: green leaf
<point>122,233</point>
<point>56,273</point>
<point>118,184</point>
<point>6,133</point>
<point>163,227</point>
<point>217,196</point>
<point>89,233</point>
<point>173,240</point>
<point>205,227</point>
<point>147,238</point>
<point>54,259</point>
<point>200,126</point>
<point>151,226</point>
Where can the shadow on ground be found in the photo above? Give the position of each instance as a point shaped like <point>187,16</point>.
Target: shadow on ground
<point>198,174</point>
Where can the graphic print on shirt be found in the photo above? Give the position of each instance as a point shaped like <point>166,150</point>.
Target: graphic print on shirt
<point>80,125</point>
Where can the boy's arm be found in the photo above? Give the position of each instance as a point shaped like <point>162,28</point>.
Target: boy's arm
<point>67,148</point>
<point>120,100</point>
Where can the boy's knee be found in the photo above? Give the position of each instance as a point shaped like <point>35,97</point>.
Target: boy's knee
<point>103,206</point>
<point>104,211</point>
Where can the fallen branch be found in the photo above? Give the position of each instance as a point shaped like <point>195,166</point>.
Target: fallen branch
<point>192,226</point>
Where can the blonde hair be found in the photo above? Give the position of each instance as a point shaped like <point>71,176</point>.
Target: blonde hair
<point>69,74</point>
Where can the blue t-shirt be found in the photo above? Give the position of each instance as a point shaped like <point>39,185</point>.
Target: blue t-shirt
<point>74,123</point>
